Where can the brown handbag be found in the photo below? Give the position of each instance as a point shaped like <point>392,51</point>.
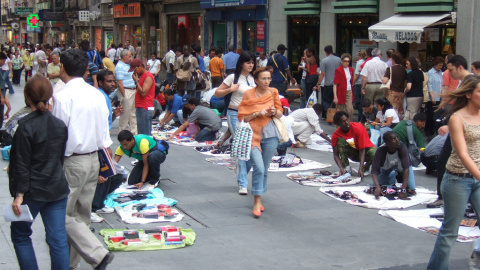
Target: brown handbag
<point>330,113</point>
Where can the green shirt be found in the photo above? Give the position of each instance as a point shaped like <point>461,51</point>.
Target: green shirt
<point>143,144</point>
<point>401,130</point>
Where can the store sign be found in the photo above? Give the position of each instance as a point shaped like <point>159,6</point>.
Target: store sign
<point>47,15</point>
<point>182,20</point>
<point>33,20</point>
<point>431,34</point>
<point>23,11</point>
<point>362,44</point>
<point>260,30</point>
<point>127,10</point>
<point>152,31</point>
<point>230,3</point>
<point>33,29</point>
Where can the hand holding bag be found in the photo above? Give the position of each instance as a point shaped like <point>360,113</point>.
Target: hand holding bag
<point>281,127</point>
<point>386,86</point>
<point>242,141</point>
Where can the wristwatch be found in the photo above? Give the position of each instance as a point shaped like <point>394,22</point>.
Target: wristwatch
<point>19,195</point>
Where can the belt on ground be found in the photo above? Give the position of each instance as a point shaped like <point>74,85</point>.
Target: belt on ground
<point>463,175</point>
<point>374,83</point>
<point>130,88</point>
<point>83,154</point>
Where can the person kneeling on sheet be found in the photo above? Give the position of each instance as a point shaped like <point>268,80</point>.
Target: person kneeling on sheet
<point>147,151</point>
<point>174,108</point>
<point>208,121</point>
<point>306,122</point>
<point>430,155</point>
<point>351,140</point>
<point>392,162</point>
<point>419,121</point>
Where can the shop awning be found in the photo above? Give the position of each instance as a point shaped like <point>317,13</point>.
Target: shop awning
<point>403,28</point>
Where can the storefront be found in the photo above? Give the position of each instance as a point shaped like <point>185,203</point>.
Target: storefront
<point>243,24</point>
<point>184,29</point>
<point>128,23</point>
<point>421,35</point>
<point>352,28</point>
<point>303,33</point>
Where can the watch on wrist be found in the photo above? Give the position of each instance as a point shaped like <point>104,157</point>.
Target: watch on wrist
<point>19,195</point>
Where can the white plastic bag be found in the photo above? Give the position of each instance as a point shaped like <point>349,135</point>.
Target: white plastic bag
<point>374,135</point>
<point>312,99</point>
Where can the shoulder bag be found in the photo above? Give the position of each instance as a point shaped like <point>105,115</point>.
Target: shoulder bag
<point>386,86</point>
<point>330,113</point>
<point>413,150</point>
<point>281,127</point>
<point>275,62</point>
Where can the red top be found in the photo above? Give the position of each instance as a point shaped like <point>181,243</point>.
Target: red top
<point>313,70</point>
<point>340,80</point>
<point>161,99</point>
<point>146,101</point>
<point>357,132</point>
<point>285,103</point>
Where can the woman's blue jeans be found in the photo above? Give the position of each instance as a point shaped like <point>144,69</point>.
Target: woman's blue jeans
<point>260,163</point>
<point>243,166</point>
<point>456,192</point>
<point>53,217</point>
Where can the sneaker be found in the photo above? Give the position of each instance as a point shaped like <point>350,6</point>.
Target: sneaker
<point>134,162</point>
<point>300,145</point>
<point>435,204</point>
<point>366,173</point>
<point>95,218</point>
<point>242,191</point>
<point>105,210</point>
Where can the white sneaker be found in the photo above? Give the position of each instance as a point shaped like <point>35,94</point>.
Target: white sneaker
<point>105,210</point>
<point>95,218</point>
<point>242,191</point>
<point>134,162</point>
<point>366,173</point>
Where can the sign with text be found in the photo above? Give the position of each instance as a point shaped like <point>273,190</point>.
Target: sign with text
<point>127,10</point>
<point>395,36</point>
<point>47,15</point>
<point>230,3</point>
<point>261,30</point>
<point>25,11</point>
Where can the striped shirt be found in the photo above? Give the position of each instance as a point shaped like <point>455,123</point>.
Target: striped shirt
<point>122,74</point>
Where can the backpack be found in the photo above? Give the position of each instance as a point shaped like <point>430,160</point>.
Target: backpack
<point>163,146</point>
<point>413,150</point>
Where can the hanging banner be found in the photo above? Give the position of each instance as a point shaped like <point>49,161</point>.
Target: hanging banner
<point>182,20</point>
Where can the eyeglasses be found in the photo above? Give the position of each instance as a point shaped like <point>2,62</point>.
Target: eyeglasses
<point>346,61</point>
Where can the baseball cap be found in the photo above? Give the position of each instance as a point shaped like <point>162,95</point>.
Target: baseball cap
<point>134,64</point>
<point>281,47</point>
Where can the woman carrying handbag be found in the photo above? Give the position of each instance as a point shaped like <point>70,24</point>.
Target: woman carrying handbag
<point>398,81</point>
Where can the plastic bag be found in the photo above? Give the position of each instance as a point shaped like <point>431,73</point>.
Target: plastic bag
<point>242,141</point>
<point>374,135</point>
<point>312,99</point>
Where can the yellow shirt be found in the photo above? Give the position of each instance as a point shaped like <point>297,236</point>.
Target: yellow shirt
<point>109,64</point>
<point>28,60</point>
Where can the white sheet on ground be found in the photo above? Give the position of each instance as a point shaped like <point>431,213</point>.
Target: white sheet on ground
<point>315,180</point>
<point>423,196</point>
<point>319,144</point>
<point>419,219</point>
<point>307,164</point>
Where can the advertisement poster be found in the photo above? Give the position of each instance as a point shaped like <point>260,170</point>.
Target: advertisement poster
<point>108,39</point>
<point>431,34</point>
<point>230,33</point>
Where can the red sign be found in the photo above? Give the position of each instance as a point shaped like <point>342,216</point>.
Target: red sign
<point>182,20</point>
<point>127,10</point>
<point>199,20</point>
<point>260,30</point>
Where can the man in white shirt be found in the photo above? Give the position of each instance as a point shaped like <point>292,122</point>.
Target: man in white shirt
<point>372,73</point>
<point>83,109</point>
<point>305,122</point>
<point>129,47</point>
<point>153,65</point>
<point>112,52</point>
<point>168,63</point>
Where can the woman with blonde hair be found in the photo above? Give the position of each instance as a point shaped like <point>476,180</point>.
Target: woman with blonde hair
<point>258,107</point>
<point>460,184</point>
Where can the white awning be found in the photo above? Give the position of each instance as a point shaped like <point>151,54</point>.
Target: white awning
<point>403,28</point>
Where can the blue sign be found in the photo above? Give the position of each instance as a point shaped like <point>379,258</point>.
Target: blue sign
<point>230,3</point>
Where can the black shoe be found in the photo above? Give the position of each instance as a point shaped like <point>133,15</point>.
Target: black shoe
<point>106,260</point>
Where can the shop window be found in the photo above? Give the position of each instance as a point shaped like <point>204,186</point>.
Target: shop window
<point>249,31</point>
<point>219,35</point>
<point>350,28</point>
<point>303,33</point>
<point>184,33</point>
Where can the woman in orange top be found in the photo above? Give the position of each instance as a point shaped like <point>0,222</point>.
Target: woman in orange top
<point>259,105</point>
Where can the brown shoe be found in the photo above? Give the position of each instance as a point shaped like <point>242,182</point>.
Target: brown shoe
<point>300,145</point>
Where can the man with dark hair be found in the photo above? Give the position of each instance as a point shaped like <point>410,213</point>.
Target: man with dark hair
<point>149,154</point>
<point>187,59</point>
<point>153,66</point>
<point>369,111</point>
<point>174,108</point>
<point>107,62</point>
<point>208,121</point>
<point>82,108</point>
<point>93,56</point>
<point>392,162</point>
<point>230,59</point>
<point>281,70</point>
<point>168,62</point>
<point>389,57</point>
<point>144,96</point>
<point>305,122</point>
<point>217,69</point>
<point>201,62</point>
<point>458,67</point>
<point>206,59</point>
<point>351,140</point>
<point>106,85</point>
<point>419,121</point>
<point>328,66</point>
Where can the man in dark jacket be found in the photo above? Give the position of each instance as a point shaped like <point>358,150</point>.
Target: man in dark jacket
<point>392,162</point>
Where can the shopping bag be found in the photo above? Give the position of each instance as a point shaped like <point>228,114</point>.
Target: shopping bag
<point>242,141</point>
<point>107,167</point>
<point>374,135</point>
<point>312,99</point>
<point>331,113</point>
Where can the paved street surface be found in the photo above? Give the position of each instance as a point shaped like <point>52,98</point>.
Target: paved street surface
<point>300,229</point>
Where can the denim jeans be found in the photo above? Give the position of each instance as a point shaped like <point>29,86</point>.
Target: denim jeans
<point>243,166</point>
<point>280,86</point>
<point>144,121</point>
<point>155,158</point>
<point>170,78</point>
<point>206,135</point>
<point>303,98</point>
<point>327,98</point>
<point>53,217</point>
<point>388,177</point>
<point>282,148</point>
<point>5,74</point>
<point>456,191</point>
<point>357,102</point>
<point>104,189</point>
<point>260,163</point>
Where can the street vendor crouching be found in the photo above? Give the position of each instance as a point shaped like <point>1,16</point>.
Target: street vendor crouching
<point>351,140</point>
<point>392,162</point>
<point>149,154</point>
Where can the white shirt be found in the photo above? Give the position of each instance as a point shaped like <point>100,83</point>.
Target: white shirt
<point>308,115</point>
<point>5,66</point>
<point>388,113</point>
<point>169,59</point>
<point>244,84</point>
<point>118,52</point>
<point>374,70</point>
<point>83,109</point>
<point>262,63</point>
<point>111,54</point>
<point>153,66</point>
<point>349,79</point>
<point>206,60</point>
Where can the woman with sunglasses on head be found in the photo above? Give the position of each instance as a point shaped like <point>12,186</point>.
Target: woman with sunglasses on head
<point>233,88</point>
<point>258,107</point>
<point>460,183</point>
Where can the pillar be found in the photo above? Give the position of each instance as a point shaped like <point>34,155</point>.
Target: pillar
<point>386,10</point>
<point>467,41</point>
